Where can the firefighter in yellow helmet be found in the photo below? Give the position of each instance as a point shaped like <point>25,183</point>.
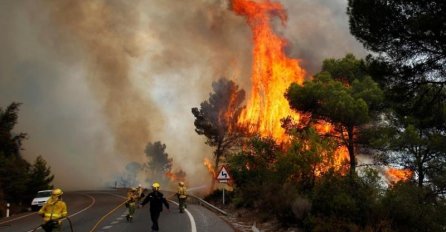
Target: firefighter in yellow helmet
<point>53,211</point>
<point>156,199</point>
<point>182,196</point>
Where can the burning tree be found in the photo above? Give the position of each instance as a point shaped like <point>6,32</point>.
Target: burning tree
<point>217,117</point>
<point>342,95</point>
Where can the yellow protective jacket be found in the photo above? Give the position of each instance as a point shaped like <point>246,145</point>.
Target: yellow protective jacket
<point>54,209</point>
<point>132,197</point>
<point>181,193</point>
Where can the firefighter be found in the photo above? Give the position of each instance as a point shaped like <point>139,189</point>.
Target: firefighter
<point>182,196</point>
<point>53,211</point>
<point>156,199</point>
<point>132,198</point>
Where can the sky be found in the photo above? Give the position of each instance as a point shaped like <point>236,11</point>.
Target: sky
<point>100,79</point>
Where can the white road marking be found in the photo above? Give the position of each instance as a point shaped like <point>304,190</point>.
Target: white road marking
<point>89,206</point>
<point>106,227</point>
<point>18,218</point>
<point>193,227</point>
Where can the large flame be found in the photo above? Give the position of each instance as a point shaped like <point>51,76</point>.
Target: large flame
<point>272,71</point>
<point>272,74</point>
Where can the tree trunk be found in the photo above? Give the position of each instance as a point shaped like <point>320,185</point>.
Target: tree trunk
<point>420,172</point>
<point>351,150</point>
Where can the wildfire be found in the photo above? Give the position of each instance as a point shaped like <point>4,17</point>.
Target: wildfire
<point>272,74</point>
<point>272,71</point>
<point>176,176</point>
<point>396,175</point>
<point>209,166</point>
<point>171,176</point>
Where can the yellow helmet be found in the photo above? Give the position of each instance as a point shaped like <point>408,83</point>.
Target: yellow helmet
<point>57,192</point>
<point>156,185</point>
<point>181,183</point>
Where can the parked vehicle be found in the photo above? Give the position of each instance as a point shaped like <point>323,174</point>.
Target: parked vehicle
<point>40,199</point>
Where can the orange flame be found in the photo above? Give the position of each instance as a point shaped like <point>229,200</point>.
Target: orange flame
<point>396,175</point>
<point>272,71</point>
<point>209,166</point>
<point>171,176</point>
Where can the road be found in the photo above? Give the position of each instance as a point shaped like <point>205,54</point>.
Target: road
<point>103,211</point>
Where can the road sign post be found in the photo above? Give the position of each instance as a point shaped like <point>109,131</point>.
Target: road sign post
<point>223,177</point>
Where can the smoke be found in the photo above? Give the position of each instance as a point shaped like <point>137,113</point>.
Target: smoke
<point>100,79</point>
<point>318,29</point>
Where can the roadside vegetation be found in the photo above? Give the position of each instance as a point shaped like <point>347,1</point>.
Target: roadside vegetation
<point>19,179</point>
<point>389,108</point>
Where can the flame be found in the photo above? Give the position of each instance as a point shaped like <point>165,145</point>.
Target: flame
<point>209,166</point>
<point>171,176</point>
<point>272,71</point>
<point>272,74</point>
<point>396,175</point>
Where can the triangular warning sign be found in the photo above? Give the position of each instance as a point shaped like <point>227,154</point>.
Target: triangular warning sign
<point>223,174</point>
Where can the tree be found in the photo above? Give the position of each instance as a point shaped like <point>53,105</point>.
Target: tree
<point>309,156</point>
<point>19,180</point>
<point>408,62</point>
<point>13,168</point>
<point>342,95</point>
<point>40,176</point>
<point>10,143</point>
<point>217,117</point>
<point>422,150</point>
<point>409,34</point>
<point>409,54</point>
<point>410,208</point>
<point>159,162</point>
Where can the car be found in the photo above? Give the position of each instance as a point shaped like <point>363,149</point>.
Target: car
<point>40,199</point>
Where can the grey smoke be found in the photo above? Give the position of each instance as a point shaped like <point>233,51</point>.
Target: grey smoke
<point>100,79</point>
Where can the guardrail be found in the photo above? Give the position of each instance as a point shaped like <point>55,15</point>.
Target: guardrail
<point>192,199</point>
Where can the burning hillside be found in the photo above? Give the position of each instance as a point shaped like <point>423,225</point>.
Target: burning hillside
<point>272,73</point>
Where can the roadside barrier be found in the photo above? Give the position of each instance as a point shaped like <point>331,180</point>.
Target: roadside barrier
<point>192,199</point>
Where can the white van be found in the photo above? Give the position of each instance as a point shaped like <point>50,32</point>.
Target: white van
<point>40,199</point>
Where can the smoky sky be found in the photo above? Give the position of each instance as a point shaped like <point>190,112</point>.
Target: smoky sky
<point>100,79</point>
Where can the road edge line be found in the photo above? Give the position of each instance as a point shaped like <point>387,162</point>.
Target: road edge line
<point>193,226</point>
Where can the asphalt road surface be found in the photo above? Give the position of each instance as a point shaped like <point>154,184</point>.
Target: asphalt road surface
<point>103,211</point>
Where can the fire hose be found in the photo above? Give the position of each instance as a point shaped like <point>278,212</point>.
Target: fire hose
<point>69,222</point>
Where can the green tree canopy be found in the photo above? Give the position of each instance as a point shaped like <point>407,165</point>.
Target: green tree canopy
<point>41,177</point>
<point>407,33</point>
<point>10,142</point>
<point>409,63</point>
<point>407,38</point>
<point>19,180</point>
<point>344,100</point>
